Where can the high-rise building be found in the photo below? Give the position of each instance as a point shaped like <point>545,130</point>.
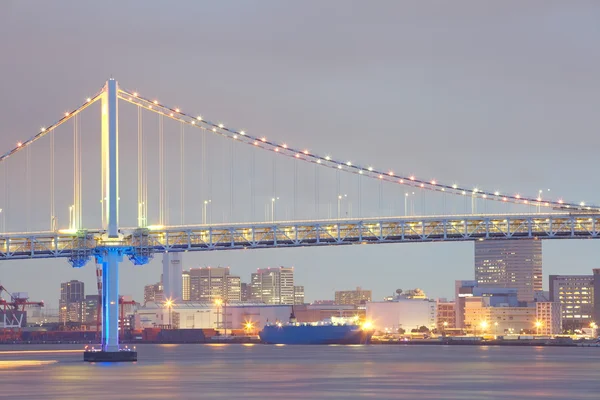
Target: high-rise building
<point>208,284</point>
<point>596,315</point>
<point>244,292</point>
<point>171,276</point>
<point>575,293</point>
<point>91,308</point>
<point>273,285</point>
<point>352,297</point>
<point>510,264</point>
<point>72,302</point>
<point>153,293</point>
<point>298,294</point>
<point>549,318</point>
<point>185,285</point>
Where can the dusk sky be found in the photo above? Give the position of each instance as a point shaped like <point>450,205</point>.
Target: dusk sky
<point>500,95</point>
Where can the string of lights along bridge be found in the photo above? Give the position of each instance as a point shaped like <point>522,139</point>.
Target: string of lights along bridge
<point>81,190</point>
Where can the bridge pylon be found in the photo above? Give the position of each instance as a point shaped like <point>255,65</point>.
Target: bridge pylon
<point>112,248</point>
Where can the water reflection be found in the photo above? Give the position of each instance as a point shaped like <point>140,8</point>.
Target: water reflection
<point>236,371</point>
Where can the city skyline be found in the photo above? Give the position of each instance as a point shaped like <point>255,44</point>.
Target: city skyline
<point>508,87</point>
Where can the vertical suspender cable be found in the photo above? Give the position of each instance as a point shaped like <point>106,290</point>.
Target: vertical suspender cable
<point>380,195</point>
<point>182,173</point>
<point>73,206</point>
<point>295,187</point>
<point>252,188</point>
<point>161,172</point>
<point>5,205</point>
<point>52,193</point>
<point>140,170</point>
<point>79,175</point>
<point>28,188</point>
<point>359,196</point>
<point>316,191</point>
<point>231,171</point>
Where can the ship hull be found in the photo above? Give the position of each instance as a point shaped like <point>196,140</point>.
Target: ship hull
<point>319,334</point>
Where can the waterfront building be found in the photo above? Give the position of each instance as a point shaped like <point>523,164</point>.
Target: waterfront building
<point>185,285</point>
<point>548,318</point>
<point>353,297</point>
<point>92,302</point>
<point>208,284</point>
<point>510,264</point>
<point>481,318</point>
<point>71,303</point>
<point>171,276</point>
<point>272,286</point>
<point>153,293</point>
<point>596,314</point>
<point>575,293</point>
<point>208,315</point>
<point>404,313</point>
<point>320,312</point>
<point>497,297</point>
<point>446,315</point>
<point>298,294</point>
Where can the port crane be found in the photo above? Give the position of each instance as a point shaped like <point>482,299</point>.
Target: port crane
<point>12,310</point>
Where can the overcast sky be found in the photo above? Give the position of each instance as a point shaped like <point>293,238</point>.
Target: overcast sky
<point>502,95</point>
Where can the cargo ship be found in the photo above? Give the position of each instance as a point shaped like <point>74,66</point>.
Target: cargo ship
<point>334,331</point>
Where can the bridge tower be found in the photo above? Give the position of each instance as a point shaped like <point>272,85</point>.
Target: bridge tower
<point>109,253</point>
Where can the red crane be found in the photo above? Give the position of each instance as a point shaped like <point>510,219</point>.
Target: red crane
<point>122,304</point>
<point>13,309</point>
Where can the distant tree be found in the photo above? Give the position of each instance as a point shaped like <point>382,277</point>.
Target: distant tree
<point>401,331</point>
<point>414,330</point>
<point>423,329</point>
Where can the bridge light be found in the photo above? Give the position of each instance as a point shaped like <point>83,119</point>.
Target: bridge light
<point>199,118</point>
<point>412,178</point>
<point>496,193</point>
<point>546,204</point>
<point>193,122</point>
<point>135,94</point>
<point>43,129</point>
<point>155,101</point>
<point>339,167</point>
<point>518,196</point>
<point>360,172</point>
<point>235,137</point>
<point>391,173</point>
<point>66,114</point>
<point>463,192</point>
<point>349,163</point>
<point>401,181</point>
<point>455,186</point>
<point>327,158</point>
<point>284,146</point>
<point>256,143</point>
<point>264,139</point>
<point>170,114</point>
<point>242,133</point>
<point>305,152</point>
<point>582,204</point>
<point>214,129</point>
<point>380,176</point>
<point>150,106</point>
<point>560,201</point>
<point>88,100</point>
<point>177,110</point>
<point>370,169</point>
<point>318,161</point>
<point>433,182</point>
<point>221,126</point>
<point>19,144</point>
<point>484,196</point>
<point>443,189</point>
<point>504,199</point>
<point>422,185</point>
<point>525,201</point>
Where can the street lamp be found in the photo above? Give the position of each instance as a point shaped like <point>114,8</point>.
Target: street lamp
<point>248,327</point>
<point>218,303</point>
<point>495,328</point>
<point>204,218</point>
<point>538,325</point>
<point>169,305</point>
<point>444,324</point>
<point>339,210</point>
<point>273,200</point>
<point>484,326</point>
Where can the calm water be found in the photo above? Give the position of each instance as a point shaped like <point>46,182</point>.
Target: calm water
<point>305,372</point>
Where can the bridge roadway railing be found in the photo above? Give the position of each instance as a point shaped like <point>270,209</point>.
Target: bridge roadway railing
<point>143,242</point>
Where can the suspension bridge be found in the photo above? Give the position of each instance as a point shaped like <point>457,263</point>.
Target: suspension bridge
<point>204,186</point>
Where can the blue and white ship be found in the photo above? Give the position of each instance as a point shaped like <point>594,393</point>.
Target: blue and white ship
<point>333,331</point>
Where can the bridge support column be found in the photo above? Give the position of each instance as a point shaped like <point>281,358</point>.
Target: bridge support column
<point>110,300</point>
